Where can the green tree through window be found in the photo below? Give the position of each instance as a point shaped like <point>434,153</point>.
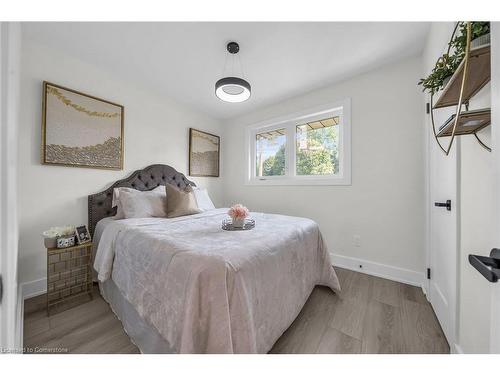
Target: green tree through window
<point>317,151</point>
<point>275,165</point>
<point>270,149</point>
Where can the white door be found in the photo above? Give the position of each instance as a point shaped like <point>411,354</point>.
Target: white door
<point>443,186</point>
<point>10,321</point>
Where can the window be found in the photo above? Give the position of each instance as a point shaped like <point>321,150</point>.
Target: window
<point>307,148</point>
<point>270,153</point>
<point>317,147</point>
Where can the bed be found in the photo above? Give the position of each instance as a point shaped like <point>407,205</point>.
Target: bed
<point>184,285</point>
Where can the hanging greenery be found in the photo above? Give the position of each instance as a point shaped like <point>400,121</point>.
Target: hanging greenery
<point>448,63</point>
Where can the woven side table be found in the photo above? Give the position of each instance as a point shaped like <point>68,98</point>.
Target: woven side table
<point>69,274</point>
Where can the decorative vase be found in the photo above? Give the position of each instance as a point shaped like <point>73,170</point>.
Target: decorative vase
<point>238,223</point>
<point>65,241</point>
<point>50,242</point>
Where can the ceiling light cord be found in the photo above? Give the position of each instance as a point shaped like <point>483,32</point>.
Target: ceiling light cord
<point>234,65</point>
<point>241,67</point>
<point>224,70</point>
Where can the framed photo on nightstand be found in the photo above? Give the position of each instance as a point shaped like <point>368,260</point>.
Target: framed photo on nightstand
<point>82,234</point>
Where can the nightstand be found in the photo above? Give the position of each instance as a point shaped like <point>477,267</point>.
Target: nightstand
<point>69,274</point>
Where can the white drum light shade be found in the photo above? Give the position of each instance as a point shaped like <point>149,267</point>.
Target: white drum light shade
<point>232,89</point>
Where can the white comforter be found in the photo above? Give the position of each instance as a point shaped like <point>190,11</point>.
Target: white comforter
<point>207,290</point>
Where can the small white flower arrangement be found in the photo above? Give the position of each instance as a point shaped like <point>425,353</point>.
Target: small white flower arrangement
<point>51,235</point>
<point>59,231</point>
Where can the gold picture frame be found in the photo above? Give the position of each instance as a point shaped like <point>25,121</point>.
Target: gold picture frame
<point>204,154</point>
<point>80,130</point>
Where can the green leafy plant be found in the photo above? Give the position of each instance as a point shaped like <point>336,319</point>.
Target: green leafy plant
<point>459,42</point>
<point>448,63</point>
<point>444,68</point>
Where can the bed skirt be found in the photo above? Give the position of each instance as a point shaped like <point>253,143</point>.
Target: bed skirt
<point>143,335</point>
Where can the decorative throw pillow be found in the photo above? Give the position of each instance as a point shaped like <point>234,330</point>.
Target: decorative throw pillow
<point>203,199</point>
<point>144,204</point>
<point>181,202</point>
<point>116,198</point>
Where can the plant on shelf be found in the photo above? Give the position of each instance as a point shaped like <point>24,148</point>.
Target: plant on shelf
<point>459,42</point>
<point>444,68</point>
<point>448,63</point>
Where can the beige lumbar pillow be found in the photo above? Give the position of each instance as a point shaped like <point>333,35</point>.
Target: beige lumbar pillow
<point>181,202</point>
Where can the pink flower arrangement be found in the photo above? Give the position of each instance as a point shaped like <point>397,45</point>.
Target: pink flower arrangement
<point>238,211</point>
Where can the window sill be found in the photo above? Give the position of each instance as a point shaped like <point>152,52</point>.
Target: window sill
<point>306,181</point>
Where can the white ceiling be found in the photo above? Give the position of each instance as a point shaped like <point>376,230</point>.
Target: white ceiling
<point>280,60</point>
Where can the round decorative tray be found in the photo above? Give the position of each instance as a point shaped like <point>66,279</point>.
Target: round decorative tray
<point>227,224</point>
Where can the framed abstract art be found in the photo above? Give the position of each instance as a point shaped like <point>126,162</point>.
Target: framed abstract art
<point>204,150</point>
<point>79,130</point>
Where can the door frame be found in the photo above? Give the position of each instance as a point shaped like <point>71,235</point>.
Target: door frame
<point>495,138</point>
<point>10,306</point>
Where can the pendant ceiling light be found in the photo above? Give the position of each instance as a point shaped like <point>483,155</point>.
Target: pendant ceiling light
<point>233,89</point>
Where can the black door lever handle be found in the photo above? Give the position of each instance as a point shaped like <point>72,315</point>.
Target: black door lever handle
<point>447,204</point>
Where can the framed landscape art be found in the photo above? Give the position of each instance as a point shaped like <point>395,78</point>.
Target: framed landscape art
<point>204,150</point>
<point>79,130</point>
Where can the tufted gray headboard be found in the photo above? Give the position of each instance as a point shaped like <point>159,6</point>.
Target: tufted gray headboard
<point>142,179</point>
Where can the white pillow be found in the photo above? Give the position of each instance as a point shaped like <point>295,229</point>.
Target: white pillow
<point>203,200</point>
<point>145,204</point>
<point>116,198</point>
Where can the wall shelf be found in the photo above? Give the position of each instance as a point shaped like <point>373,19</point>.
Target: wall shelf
<point>469,122</point>
<point>473,73</point>
<point>479,75</point>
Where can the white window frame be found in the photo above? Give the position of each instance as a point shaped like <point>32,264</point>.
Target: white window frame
<point>341,108</point>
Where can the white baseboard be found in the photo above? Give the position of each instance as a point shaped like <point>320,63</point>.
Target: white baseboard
<point>34,288</point>
<point>401,275</point>
<point>424,289</point>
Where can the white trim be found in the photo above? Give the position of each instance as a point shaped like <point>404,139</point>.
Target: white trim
<point>34,288</point>
<point>303,180</point>
<point>425,288</point>
<point>385,271</point>
<point>10,50</point>
<point>495,138</point>
<point>456,349</point>
<point>341,108</point>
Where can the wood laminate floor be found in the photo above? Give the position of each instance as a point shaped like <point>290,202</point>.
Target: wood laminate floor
<point>371,315</point>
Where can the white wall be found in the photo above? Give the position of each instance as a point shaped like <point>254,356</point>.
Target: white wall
<point>156,131</point>
<point>476,211</point>
<point>385,203</point>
